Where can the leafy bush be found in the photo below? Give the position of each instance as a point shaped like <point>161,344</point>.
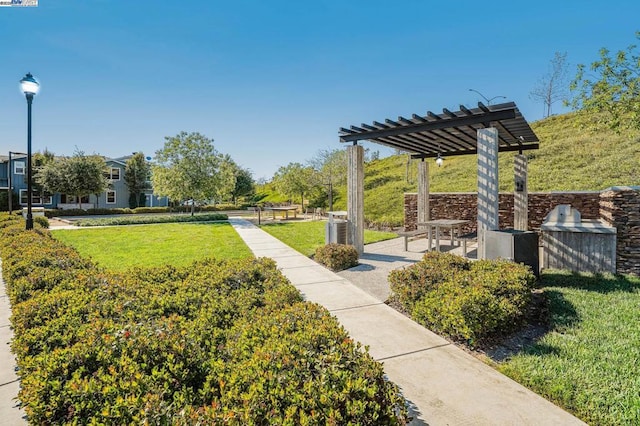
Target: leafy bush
<point>461,299</point>
<point>337,256</point>
<point>42,221</point>
<point>216,342</point>
<point>137,220</point>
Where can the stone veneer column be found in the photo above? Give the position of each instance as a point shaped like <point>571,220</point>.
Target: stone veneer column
<point>423,191</point>
<point>521,194</point>
<point>487,185</point>
<point>355,197</point>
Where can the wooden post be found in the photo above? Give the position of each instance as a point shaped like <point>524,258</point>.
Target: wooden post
<point>355,197</point>
<point>423,192</point>
<point>521,194</point>
<point>487,185</point>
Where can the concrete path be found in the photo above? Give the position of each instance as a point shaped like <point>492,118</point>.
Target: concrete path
<point>444,384</point>
<point>10,413</point>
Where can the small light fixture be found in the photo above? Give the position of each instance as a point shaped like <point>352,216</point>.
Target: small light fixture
<point>439,160</point>
<point>29,85</point>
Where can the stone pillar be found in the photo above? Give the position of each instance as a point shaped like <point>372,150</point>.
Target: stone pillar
<point>355,197</point>
<point>487,184</point>
<point>521,194</point>
<point>423,191</point>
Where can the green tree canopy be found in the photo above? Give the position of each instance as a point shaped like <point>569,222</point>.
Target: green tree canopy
<point>79,175</point>
<point>610,88</point>
<point>295,180</point>
<point>39,160</point>
<point>187,168</point>
<point>244,186</point>
<point>136,176</point>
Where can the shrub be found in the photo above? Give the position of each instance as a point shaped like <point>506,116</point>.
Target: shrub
<point>216,342</point>
<point>410,284</point>
<point>42,221</point>
<point>137,220</point>
<point>337,256</point>
<point>461,299</point>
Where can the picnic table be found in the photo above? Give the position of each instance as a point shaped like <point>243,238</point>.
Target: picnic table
<point>454,225</point>
<point>285,211</point>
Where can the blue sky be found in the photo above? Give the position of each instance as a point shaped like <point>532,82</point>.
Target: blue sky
<point>272,81</point>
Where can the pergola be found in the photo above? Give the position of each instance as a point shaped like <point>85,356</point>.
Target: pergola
<point>483,131</point>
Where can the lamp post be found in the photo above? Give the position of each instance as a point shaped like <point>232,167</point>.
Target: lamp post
<point>485,98</point>
<point>30,87</point>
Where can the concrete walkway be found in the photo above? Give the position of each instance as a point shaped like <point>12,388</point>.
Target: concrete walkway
<point>444,384</point>
<point>10,413</point>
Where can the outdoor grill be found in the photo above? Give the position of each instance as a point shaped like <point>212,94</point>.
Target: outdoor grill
<point>579,245</point>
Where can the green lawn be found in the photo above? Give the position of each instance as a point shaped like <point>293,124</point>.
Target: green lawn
<point>176,244</point>
<point>589,361</point>
<point>305,237</point>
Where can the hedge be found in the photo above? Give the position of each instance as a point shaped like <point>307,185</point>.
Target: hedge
<point>464,300</point>
<point>219,342</point>
<point>337,257</point>
<point>138,220</point>
<point>140,210</point>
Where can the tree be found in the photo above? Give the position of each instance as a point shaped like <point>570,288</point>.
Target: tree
<point>294,180</point>
<point>79,175</point>
<point>611,90</point>
<point>136,177</point>
<point>227,183</point>
<point>331,170</point>
<point>552,87</point>
<point>39,159</point>
<point>187,168</point>
<point>244,184</point>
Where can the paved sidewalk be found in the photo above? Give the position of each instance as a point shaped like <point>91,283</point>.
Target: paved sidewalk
<point>10,414</point>
<point>444,384</point>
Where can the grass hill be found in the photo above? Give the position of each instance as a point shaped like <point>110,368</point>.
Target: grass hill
<point>570,158</point>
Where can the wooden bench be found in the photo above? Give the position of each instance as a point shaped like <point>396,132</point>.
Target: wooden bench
<point>411,234</point>
<point>471,236</point>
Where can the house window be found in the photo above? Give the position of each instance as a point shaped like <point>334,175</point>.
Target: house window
<point>18,167</point>
<point>114,174</point>
<point>111,196</point>
<point>36,198</point>
<point>72,199</point>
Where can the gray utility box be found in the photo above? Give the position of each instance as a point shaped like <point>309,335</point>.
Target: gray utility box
<point>336,229</point>
<point>519,246</point>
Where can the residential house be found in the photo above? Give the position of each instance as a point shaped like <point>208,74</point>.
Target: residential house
<point>117,196</point>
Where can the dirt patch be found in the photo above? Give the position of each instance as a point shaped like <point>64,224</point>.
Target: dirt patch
<point>57,222</point>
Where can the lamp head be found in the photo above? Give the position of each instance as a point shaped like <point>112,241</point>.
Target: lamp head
<point>439,160</point>
<point>29,85</point>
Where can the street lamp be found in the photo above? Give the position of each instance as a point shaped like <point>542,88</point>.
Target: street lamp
<point>30,87</point>
<point>485,98</point>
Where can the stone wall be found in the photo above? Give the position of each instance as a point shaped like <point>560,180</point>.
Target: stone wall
<point>464,205</point>
<point>618,206</point>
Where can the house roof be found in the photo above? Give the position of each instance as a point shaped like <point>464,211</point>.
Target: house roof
<point>449,133</point>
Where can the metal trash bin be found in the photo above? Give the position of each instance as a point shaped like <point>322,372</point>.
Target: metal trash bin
<point>519,246</point>
<point>336,229</point>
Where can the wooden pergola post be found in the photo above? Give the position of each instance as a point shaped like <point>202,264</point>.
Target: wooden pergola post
<point>521,194</point>
<point>355,197</point>
<point>423,191</point>
<point>487,185</point>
